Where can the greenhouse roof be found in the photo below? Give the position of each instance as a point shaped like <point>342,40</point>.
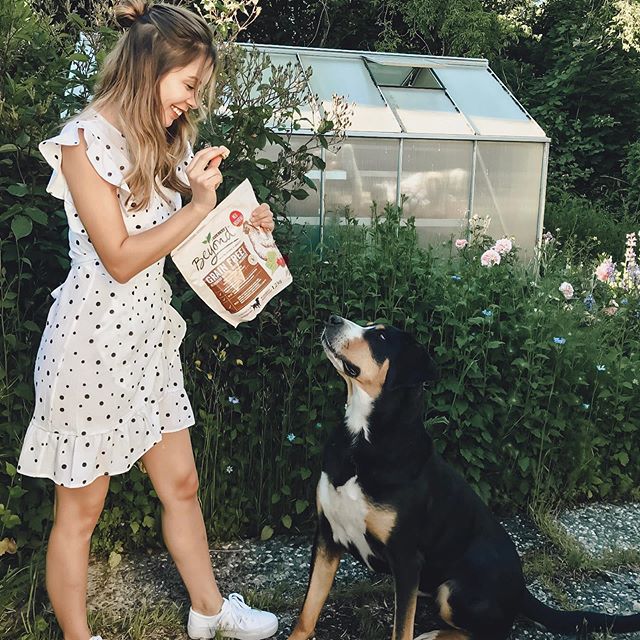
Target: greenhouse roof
<point>412,96</point>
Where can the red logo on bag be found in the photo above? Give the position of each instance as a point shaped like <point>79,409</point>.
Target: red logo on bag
<point>236,218</point>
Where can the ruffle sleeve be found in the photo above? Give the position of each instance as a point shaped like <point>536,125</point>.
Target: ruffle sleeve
<point>106,150</point>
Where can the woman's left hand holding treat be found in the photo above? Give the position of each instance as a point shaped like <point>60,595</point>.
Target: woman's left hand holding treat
<point>262,217</point>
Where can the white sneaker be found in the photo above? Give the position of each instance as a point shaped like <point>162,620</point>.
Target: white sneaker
<point>235,620</point>
<point>95,638</point>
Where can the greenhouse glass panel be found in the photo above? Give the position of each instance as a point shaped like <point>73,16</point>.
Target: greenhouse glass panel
<point>491,110</point>
<point>348,77</point>
<point>426,111</point>
<point>305,211</point>
<point>507,189</point>
<point>281,60</point>
<point>436,176</point>
<point>363,171</point>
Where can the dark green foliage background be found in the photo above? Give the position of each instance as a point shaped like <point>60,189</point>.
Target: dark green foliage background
<point>524,419</point>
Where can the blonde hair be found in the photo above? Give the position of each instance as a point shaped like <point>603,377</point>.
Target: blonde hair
<point>159,38</point>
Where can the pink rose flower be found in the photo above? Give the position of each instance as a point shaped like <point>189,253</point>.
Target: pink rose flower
<point>503,246</point>
<point>490,257</point>
<point>461,243</point>
<point>566,290</point>
<point>605,270</point>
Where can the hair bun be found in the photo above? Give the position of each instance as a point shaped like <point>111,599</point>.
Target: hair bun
<point>128,11</point>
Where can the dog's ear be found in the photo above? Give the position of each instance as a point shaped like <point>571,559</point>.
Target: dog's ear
<point>413,367</point>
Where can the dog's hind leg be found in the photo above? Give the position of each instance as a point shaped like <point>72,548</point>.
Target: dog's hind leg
<point>324,564</point>
<point>475,616</point>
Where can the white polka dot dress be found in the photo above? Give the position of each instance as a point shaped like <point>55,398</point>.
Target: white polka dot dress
<point>108,378</point>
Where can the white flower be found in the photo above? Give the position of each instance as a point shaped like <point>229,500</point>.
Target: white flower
<point>229,469</point>
<point>566,290</point>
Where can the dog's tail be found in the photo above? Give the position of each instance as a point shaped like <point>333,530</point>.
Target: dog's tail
<point>569,622</point>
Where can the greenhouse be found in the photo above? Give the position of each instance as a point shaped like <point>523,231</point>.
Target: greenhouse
<point>444,132</point>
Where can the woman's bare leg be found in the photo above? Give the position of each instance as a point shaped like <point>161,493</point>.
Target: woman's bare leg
<point>171,467</point>
<point>75,517</point>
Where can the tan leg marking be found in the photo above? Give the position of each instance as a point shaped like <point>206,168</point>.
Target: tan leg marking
<point>444,635</point>
<point>323,572</point>
<point>409,620</point>
<point>380,523</point>
<point>444,592</point>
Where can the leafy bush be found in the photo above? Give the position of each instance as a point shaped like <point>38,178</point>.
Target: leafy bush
<point>587,228</point>
<point>520,413</point>
<point>44,75</point>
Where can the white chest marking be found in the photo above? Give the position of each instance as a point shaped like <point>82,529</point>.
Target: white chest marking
<point>346,508</point>
<point>358,411</point>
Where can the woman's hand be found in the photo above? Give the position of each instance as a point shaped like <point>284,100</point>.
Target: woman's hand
<point>263,217</point>
<point>205,177</point>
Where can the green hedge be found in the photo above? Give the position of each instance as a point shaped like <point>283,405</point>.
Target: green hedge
<point>522,416</point>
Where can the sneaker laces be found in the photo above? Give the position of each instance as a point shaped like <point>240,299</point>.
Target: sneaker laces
<point>239,608</point>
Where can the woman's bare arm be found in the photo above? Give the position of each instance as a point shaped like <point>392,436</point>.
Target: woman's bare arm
<point>96,201</point>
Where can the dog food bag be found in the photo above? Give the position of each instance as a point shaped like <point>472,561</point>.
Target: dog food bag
<point>233,266</point>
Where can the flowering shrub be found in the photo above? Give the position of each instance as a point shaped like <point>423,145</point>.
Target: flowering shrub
<point>538,389</point>
<point>627,279</point>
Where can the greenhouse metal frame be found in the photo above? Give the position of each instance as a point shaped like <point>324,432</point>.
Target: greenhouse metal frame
<point>497,155</point>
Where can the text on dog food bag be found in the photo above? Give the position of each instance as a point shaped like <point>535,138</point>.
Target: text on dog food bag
<point>234,267</point>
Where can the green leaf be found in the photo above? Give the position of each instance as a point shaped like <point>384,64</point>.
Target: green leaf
<point>286,521</point>
<point>233,337</point>
<point>23,139</point>
<point>114,559</point>
<point>37,215</point>
<point>266,532</point>
<point>18,190</point>
<point>21,226</point>
<point>11,470</point>
<point>305,473</point>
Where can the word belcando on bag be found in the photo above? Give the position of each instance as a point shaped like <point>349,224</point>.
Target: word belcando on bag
<point>233,266</point>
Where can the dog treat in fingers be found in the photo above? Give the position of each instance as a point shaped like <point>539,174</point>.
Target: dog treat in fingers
<point>234,266</point>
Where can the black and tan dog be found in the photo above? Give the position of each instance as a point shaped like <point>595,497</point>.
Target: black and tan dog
<point>386,496</point>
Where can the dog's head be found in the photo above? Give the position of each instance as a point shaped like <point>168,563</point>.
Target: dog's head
<point>376,358</point>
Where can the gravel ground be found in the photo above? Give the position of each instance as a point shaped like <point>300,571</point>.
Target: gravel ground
<point>604,527</point>
<point>279,568</point>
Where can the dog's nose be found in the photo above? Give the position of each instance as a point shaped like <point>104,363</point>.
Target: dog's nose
<point>335,320</point>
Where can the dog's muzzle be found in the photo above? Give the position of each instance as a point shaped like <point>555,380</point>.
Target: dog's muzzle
<point>332,340</point>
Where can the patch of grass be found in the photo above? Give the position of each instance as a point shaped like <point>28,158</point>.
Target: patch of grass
<point>361,601</point>
<point>23,612</point>
<point>574,557</point>
<point>26,614</point>
<point>158,622</point>
<point>280,598</point>
<point>563,558</point>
